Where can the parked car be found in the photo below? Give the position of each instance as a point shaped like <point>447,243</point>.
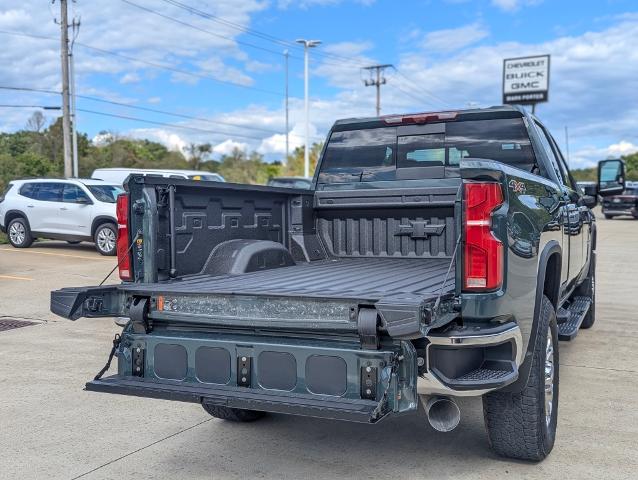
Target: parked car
<point>74,210</point>
<point>625,204</point>
<point>290,182</point>
<point>440,255</point>
<point>119,175</point>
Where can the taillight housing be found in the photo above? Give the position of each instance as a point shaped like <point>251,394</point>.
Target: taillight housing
<point>123,252</point>
<point>483,252</point>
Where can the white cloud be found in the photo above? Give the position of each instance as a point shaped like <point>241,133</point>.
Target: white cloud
<point>513,5</point>
<point>452,39</point>
<point>589,155</point>
<point>227,146</point>
<point>154,100</point>
<point>130,77</point>
<point>284,4</point>
<point>171,140</point>
<point>276,144</point>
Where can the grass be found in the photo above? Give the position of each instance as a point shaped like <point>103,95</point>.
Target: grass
<point>3,239</point>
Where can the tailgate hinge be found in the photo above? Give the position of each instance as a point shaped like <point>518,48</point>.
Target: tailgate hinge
<point>367,326</point>
<point>138,313</point>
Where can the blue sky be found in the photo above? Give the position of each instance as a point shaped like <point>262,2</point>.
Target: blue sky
<point>448,54</point>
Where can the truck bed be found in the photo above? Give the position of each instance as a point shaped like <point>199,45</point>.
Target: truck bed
<point>345,278</point>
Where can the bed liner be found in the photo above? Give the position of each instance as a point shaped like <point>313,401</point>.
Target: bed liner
<point>347,278</point>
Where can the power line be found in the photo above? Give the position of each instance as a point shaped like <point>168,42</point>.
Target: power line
<point>257,33</point>
<point>160,111</point>
<point>164,124</point>
<point>203,30</point>
<point>146,62</point>
<point>420,89</point>
<point>44,107</point>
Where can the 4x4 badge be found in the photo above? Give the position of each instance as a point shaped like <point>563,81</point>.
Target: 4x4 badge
<point>517,187</point>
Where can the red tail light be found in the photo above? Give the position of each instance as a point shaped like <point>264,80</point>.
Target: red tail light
<point>483,253</point>
<point>123,253</point>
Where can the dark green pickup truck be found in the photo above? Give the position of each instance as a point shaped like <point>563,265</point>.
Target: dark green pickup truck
<point>436,255</point>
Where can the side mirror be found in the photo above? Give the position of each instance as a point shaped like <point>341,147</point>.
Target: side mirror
<point>84,201</point>
<point>611,177</point>
<point>590,201</point>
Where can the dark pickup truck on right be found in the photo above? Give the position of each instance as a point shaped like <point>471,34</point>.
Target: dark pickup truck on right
<point>437,255</point>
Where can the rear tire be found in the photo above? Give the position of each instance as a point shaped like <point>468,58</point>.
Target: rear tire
<point>105,239</point>
<point>232,414</point>
<point>522,425</point>
<point>19,233</point>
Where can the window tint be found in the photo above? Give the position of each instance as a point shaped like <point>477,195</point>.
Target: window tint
<point>105,193</point>
<point>503,140</point>
<point>50,192</point>
<point>29,190</point>
<point>74,194</point>
<point>427,151</point>
<point>368,148</point>
<point>562,175</point>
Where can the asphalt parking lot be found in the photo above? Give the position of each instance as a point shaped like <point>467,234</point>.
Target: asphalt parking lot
<point>51,428</point>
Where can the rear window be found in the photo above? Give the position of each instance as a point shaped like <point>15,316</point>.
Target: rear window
<point>502,140</point>
<point>29,190</point>
<point>105,193</point>
<point>6,190</point>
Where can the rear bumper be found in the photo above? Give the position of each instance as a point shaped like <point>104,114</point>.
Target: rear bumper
<point>472,361</point>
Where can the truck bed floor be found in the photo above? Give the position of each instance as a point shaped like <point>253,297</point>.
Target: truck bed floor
<point>351,278</point>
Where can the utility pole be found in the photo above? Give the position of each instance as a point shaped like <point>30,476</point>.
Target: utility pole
<point>376,81</point>
<point>74,132</point>
<point>307,45</point>
<point>66,111</point>
<point>287,144</point>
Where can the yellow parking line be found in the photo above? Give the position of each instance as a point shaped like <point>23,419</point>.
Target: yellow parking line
<point>13,277</point>
<point>53,254</point>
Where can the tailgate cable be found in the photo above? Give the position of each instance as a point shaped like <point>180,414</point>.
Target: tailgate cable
<point>384,397</point>
<point>120,260</point>
<point>116,343</point>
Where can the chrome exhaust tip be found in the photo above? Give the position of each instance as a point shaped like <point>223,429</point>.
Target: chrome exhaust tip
<point>443,413</point>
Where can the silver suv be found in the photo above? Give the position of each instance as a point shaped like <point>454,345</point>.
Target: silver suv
<point>73,210</point>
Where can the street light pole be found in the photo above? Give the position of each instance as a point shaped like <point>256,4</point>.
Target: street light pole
<point>287,144</point>
<point>307,45</point>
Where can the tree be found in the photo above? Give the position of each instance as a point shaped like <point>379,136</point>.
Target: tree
<point>36,122</point>
<point>198,154</point>
<point>295,162</point>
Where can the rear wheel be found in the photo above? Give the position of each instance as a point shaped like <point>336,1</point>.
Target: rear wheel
<point>232,414</point>
<point>19,233</point>
<point>522,424</point>
<point>105,239</point>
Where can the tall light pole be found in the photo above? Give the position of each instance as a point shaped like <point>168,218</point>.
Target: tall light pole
<point>307,45</point>
<point>287,144</point>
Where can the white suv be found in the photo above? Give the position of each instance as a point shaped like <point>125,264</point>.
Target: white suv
<point>71,210</point>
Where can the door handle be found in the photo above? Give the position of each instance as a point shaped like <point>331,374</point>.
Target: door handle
<point>30,206</point>
<point>63,208</point>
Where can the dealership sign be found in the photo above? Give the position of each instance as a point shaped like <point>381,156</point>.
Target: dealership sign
<point>526,80</point>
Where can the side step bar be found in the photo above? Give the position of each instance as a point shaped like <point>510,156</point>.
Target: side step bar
<point>572,317</point>
<point>354,410</point>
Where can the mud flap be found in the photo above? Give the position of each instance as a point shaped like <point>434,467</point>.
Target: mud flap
<point>73,303</point>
